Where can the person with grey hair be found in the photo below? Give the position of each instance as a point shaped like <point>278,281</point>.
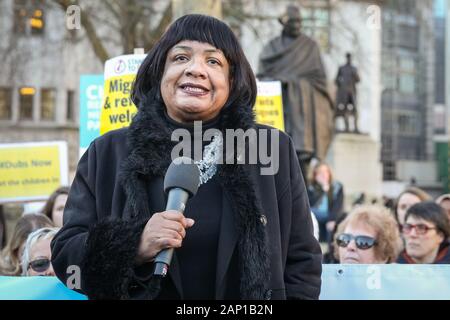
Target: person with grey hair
<point>36,258</point>
<point>10,256</point>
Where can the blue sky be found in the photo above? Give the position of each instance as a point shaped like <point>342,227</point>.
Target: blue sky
<point>439,8</point>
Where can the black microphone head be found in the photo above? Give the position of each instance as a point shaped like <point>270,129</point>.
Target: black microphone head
<point>184,174</point>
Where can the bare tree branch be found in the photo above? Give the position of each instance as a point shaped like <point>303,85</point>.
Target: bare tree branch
<point>113,8</point>
<point>97,45</point>
<point>154,34</point>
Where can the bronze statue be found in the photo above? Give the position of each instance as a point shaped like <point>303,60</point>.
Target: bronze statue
<point>346,81</point>
<point>294,59</point>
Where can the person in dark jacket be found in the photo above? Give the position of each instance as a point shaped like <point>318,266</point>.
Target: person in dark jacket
<point>244,235</point>
<point>426,231</point>
<point>326,197</point>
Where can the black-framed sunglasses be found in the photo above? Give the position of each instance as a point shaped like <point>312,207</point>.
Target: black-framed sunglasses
<point>362,242</point>
<point>39,265</point>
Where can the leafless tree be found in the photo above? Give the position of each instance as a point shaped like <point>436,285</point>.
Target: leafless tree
<point>140,23</point>
<point>130,23</point>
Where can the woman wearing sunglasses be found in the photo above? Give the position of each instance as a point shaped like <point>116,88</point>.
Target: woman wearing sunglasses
<point>12,253</point>
<point>368,235</point>
<point>426,231</point>
<point>36,259</point>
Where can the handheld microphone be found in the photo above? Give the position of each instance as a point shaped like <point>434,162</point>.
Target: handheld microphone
<point>180,183</point>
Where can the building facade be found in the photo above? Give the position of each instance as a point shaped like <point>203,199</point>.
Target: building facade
<point>392,43</point>
<point>441,102</point>
<point>39,82</point>
<point>339,26</point>
<point>408,93</point>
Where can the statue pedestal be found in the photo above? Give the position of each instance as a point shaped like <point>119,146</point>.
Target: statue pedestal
<point>354,159</point>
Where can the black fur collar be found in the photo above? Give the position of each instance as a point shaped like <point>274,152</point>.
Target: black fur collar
<point>150,144</point>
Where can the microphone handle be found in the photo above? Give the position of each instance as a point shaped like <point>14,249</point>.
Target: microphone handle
<point>176,200</point>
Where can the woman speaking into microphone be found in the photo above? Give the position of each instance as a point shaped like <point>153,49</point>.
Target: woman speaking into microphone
<point>244,235</point>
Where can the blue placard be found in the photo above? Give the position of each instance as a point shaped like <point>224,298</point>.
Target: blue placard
<point>339,282</point>
<point>385,282</point>
<point>91,95</point>
<point>36,288</point>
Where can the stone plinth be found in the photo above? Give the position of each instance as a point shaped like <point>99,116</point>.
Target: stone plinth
<point>355,160</point>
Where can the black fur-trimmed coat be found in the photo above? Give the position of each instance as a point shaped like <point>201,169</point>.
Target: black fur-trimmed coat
<point>268,225</point>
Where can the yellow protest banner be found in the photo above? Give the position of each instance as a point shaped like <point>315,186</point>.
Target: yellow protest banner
<point>269,104</point>
<point>117,108</point>
<point>32,171</point>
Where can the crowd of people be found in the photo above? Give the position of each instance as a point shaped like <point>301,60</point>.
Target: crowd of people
<point>28,253</point>
<point>243,235</point>
<point>415,230</point>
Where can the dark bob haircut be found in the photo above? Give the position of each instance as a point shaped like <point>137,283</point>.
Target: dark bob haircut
<point>205,29</point>
<point>431,212</point>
